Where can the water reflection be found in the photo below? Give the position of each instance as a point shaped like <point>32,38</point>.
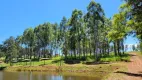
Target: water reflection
<point>42,76</point>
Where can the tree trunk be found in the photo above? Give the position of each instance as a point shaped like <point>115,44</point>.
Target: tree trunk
<point>90,47</point>
<point>123,46</point>
<point>115,52</point>
<point>118,47</point>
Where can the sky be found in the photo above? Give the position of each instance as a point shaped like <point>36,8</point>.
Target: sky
<point>17,15</point>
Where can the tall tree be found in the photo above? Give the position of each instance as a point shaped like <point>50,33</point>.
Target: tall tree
<point>63,35</point>
<point>44,35</point>
<point>95,16</point>
<point>29,39</point>
<point>10,49</point>
<point>75,24</point>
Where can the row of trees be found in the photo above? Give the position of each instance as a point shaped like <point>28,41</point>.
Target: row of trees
<point>81,35</point>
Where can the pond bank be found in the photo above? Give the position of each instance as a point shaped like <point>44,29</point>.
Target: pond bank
<point>101,70</point>
<point>70,68</point>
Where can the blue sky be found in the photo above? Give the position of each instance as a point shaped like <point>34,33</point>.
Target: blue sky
<point>17,15</point>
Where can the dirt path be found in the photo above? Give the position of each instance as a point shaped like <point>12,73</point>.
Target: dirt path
<point>134,67</point>
<point>134,71</point>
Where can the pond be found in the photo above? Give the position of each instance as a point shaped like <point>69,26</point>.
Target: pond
<point>45,76</point>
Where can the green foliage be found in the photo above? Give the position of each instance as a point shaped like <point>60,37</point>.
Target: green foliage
<point>133,12</point>
<point>90,59</point>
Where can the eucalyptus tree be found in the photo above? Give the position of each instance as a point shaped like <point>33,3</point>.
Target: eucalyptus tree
<point>75,23</point>
<point>64,35</point>
<point>105,43</point>
<point>95,16</point>
<point>10,49</point>
<point>19,44</point>
<point>44,35</point>
<point>29,40</point>
<point>56,37</point>
<point>84,37</point>
<point>1,51</point>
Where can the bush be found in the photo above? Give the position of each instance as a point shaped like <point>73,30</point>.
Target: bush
<point>89,59</point>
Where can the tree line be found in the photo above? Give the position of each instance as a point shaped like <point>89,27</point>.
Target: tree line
<point>83,34</point>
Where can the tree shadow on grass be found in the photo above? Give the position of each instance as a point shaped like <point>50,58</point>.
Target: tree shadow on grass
<point>72,61</point>
<point>96,63</point>
<point>56,61</point>
<point>130,74</point>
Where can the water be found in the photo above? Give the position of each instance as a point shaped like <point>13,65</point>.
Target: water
<point>45,76</point>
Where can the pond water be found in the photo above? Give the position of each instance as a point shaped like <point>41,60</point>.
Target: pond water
<point>45,76</point>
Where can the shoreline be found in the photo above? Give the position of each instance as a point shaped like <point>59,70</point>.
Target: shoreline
<point>66,68</point>
<point>100,71</point>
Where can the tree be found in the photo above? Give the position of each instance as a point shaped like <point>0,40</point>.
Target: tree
<point>63,36</point>
<point>19,43</point>
<point>135,16</point>
<point>75,30</point>
<point>95,20</point>
<point>133,47</point>
<point>126,48</point>
<point>10,49</point>
<point>29,40</point>
<point>44,35</point>
<point>1,51</point>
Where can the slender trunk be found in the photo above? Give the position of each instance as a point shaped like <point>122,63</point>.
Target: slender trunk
<point>31,51</point>
<point>79,50</point>
<point>118,47</point>
<point>96,42</point>
<point>44,52</point>
<point>39,54</point>
<point>86,51</point>
<point>123,46</point>
<point>75,53</point>
<point>71,54</point>
<point>115,52</point>
<point>83,50</point>
<point>90,47</point>
<point>108,48</point>
<point>103,48</point>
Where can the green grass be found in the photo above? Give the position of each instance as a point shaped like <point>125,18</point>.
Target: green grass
<point>54,60</point>
<point>113,58</point>
<point>60,60</point>
<point>140,53</point>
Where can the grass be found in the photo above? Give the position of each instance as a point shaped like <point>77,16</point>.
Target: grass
<point>56,62</point>
<point>138,52</point>
<point>60,61</point>
<point>66,68</point>
<point>53,61</point>
<point>112,58</point>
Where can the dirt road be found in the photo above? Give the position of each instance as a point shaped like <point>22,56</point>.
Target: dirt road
<point>134,71</point>
<point>134,67</point>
